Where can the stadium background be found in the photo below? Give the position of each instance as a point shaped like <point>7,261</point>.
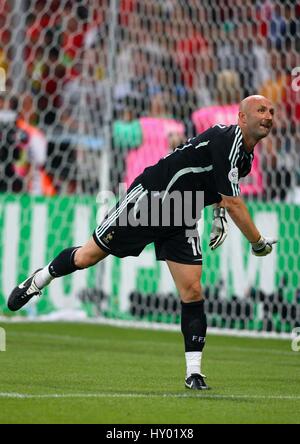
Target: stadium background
<point>97,90</point>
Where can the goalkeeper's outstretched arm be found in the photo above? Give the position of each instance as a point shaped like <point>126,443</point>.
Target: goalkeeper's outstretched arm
<point>240,215</point>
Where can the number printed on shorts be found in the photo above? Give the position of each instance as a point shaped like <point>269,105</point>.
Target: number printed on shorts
<point>195,242</point>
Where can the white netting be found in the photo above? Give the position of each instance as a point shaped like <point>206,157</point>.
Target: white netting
<point>97,90</point>
<point>166,59</point>
<point>54,53</point>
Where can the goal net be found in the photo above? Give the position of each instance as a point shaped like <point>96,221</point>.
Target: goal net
<point>94,91</point>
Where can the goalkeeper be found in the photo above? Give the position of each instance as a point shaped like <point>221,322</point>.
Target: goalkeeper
<point>211,162</point>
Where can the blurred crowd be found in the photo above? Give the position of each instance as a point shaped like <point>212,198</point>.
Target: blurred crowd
<point>85,71</point>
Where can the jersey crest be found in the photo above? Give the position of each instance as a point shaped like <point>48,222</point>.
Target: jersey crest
<point>233,175</point>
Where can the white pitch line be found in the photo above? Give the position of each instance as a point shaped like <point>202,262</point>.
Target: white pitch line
<point>148,342</point>
<point>8,395</point>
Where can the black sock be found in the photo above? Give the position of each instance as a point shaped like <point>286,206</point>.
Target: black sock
<point>193,325</point>
<point>63,264</point>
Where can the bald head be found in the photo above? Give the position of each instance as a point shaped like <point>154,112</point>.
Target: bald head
<point>251,101</point>
<point>255,118</point>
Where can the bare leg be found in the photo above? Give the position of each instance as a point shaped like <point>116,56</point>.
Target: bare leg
<point>187,280</point>
<point>89,254</point>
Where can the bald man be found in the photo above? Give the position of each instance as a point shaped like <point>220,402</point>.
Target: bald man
<point>210,164</point>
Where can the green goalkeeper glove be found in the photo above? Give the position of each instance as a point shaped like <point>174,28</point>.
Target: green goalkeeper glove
<point>219,228</point>
<point>263,246</point>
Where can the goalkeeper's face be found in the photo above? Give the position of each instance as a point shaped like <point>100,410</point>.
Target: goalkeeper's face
<point>259,118</point>
<point>256,116</point>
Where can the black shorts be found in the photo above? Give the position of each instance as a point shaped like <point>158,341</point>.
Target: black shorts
<point>118,236</point>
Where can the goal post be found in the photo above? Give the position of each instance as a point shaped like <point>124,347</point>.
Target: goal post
<point>97,90</point>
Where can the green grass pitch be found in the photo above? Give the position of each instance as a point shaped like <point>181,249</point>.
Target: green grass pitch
<point>87,373</point>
